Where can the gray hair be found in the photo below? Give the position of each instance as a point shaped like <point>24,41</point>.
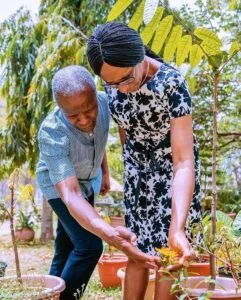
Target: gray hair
<point>71,80</point>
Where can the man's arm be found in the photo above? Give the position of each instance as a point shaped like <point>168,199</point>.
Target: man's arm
<point>183,184</point>
<point>86,216</point>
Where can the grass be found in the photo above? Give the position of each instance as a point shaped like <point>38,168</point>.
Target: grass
<point>35,258</point>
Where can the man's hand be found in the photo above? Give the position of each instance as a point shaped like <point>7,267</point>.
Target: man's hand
<point>179,243</point>
<point>125,241</point>
<point>105,184</point>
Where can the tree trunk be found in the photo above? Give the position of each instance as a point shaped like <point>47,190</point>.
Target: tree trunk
<point>47,222</point>
<point>16,256</point>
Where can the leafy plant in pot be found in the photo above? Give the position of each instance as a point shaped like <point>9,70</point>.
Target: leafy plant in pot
<point>28,214</point>
<point>229,246</point>
<point>116,212</point>
<point>25,286</point>
<point>24,229</point>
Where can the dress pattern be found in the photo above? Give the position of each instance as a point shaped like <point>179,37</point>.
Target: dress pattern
<point>145,116</point>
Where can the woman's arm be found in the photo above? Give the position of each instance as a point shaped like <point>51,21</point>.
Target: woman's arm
<point>183,184</point>
<point>122,135</point>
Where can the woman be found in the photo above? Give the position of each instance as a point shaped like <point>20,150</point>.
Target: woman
<point>150,102</point>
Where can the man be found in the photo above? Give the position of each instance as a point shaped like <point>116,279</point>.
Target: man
<point>72,169</point>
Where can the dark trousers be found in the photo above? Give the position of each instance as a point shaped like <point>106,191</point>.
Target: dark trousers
<point>77,251</point>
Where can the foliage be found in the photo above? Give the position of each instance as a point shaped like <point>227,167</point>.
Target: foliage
<point>226,246</point>
<point>201,41</point>
<point>114,154</point>
<point>116,209</point>
<point>24,220</point>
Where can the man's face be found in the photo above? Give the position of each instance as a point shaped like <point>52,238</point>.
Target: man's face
<point>80,109</point>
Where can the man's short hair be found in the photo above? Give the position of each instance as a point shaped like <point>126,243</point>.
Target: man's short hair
<point>71,80</point>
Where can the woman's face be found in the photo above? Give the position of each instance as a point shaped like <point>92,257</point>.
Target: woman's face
<point>127,79</point>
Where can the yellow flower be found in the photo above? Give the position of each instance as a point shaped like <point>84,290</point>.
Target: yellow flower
<point>167,252</point>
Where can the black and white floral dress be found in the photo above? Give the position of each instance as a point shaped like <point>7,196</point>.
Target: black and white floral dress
<point>145,116</point>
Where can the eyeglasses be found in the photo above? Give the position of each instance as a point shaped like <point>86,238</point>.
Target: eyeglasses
<point>127,81</point>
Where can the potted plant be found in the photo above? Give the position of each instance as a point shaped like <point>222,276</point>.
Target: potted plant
<point>226,248</point>
<point>25,286</point>
<point>116,212</point>
<point>24,229</point>
<point>108,266</point>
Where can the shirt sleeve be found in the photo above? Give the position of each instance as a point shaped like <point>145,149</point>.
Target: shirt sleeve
<point>180,99</point>
<point>54,151</point>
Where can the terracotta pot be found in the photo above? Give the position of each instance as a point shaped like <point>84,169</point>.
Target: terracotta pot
<point>52,285</point>
<point>150,287</point>
<point>24,234</point>
<point>197,287</point>
<point>108,266</point>
<point>201,268</point>
<point>117,221</point>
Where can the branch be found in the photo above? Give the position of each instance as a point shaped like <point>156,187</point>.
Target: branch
<point>75,28</point>
<point>224,145</point>
<point>229,133</point>
<point>229,60</point>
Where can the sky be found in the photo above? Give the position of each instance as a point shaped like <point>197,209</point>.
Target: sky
<point>8,7</point>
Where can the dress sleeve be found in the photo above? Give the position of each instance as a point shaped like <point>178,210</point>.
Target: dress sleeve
<point>54,151</point>
<point>180,99</point>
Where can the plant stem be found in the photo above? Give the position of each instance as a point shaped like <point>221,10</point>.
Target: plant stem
<point>214,180</point>
<point>18,271</point>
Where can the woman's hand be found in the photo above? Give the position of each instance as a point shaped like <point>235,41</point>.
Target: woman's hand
<point>179,243</point>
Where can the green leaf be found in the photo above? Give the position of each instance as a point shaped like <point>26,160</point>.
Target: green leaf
<point>172,42</point>
<point>237,221</point>
<point>224,218</point>
<point>234,48</point>
<point>192,82</point>
<point>162,33</point>
<point>79,56</point>
<point>210,49</point>
<point>149,10</point>
<point>150,29</point>
<point>196,55</point>
<point>136,19</point>
<point>118,8</point>
<point>183,49</point>
<point>216,60</point>
<point>207,36</point>
<point>233,4</point>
